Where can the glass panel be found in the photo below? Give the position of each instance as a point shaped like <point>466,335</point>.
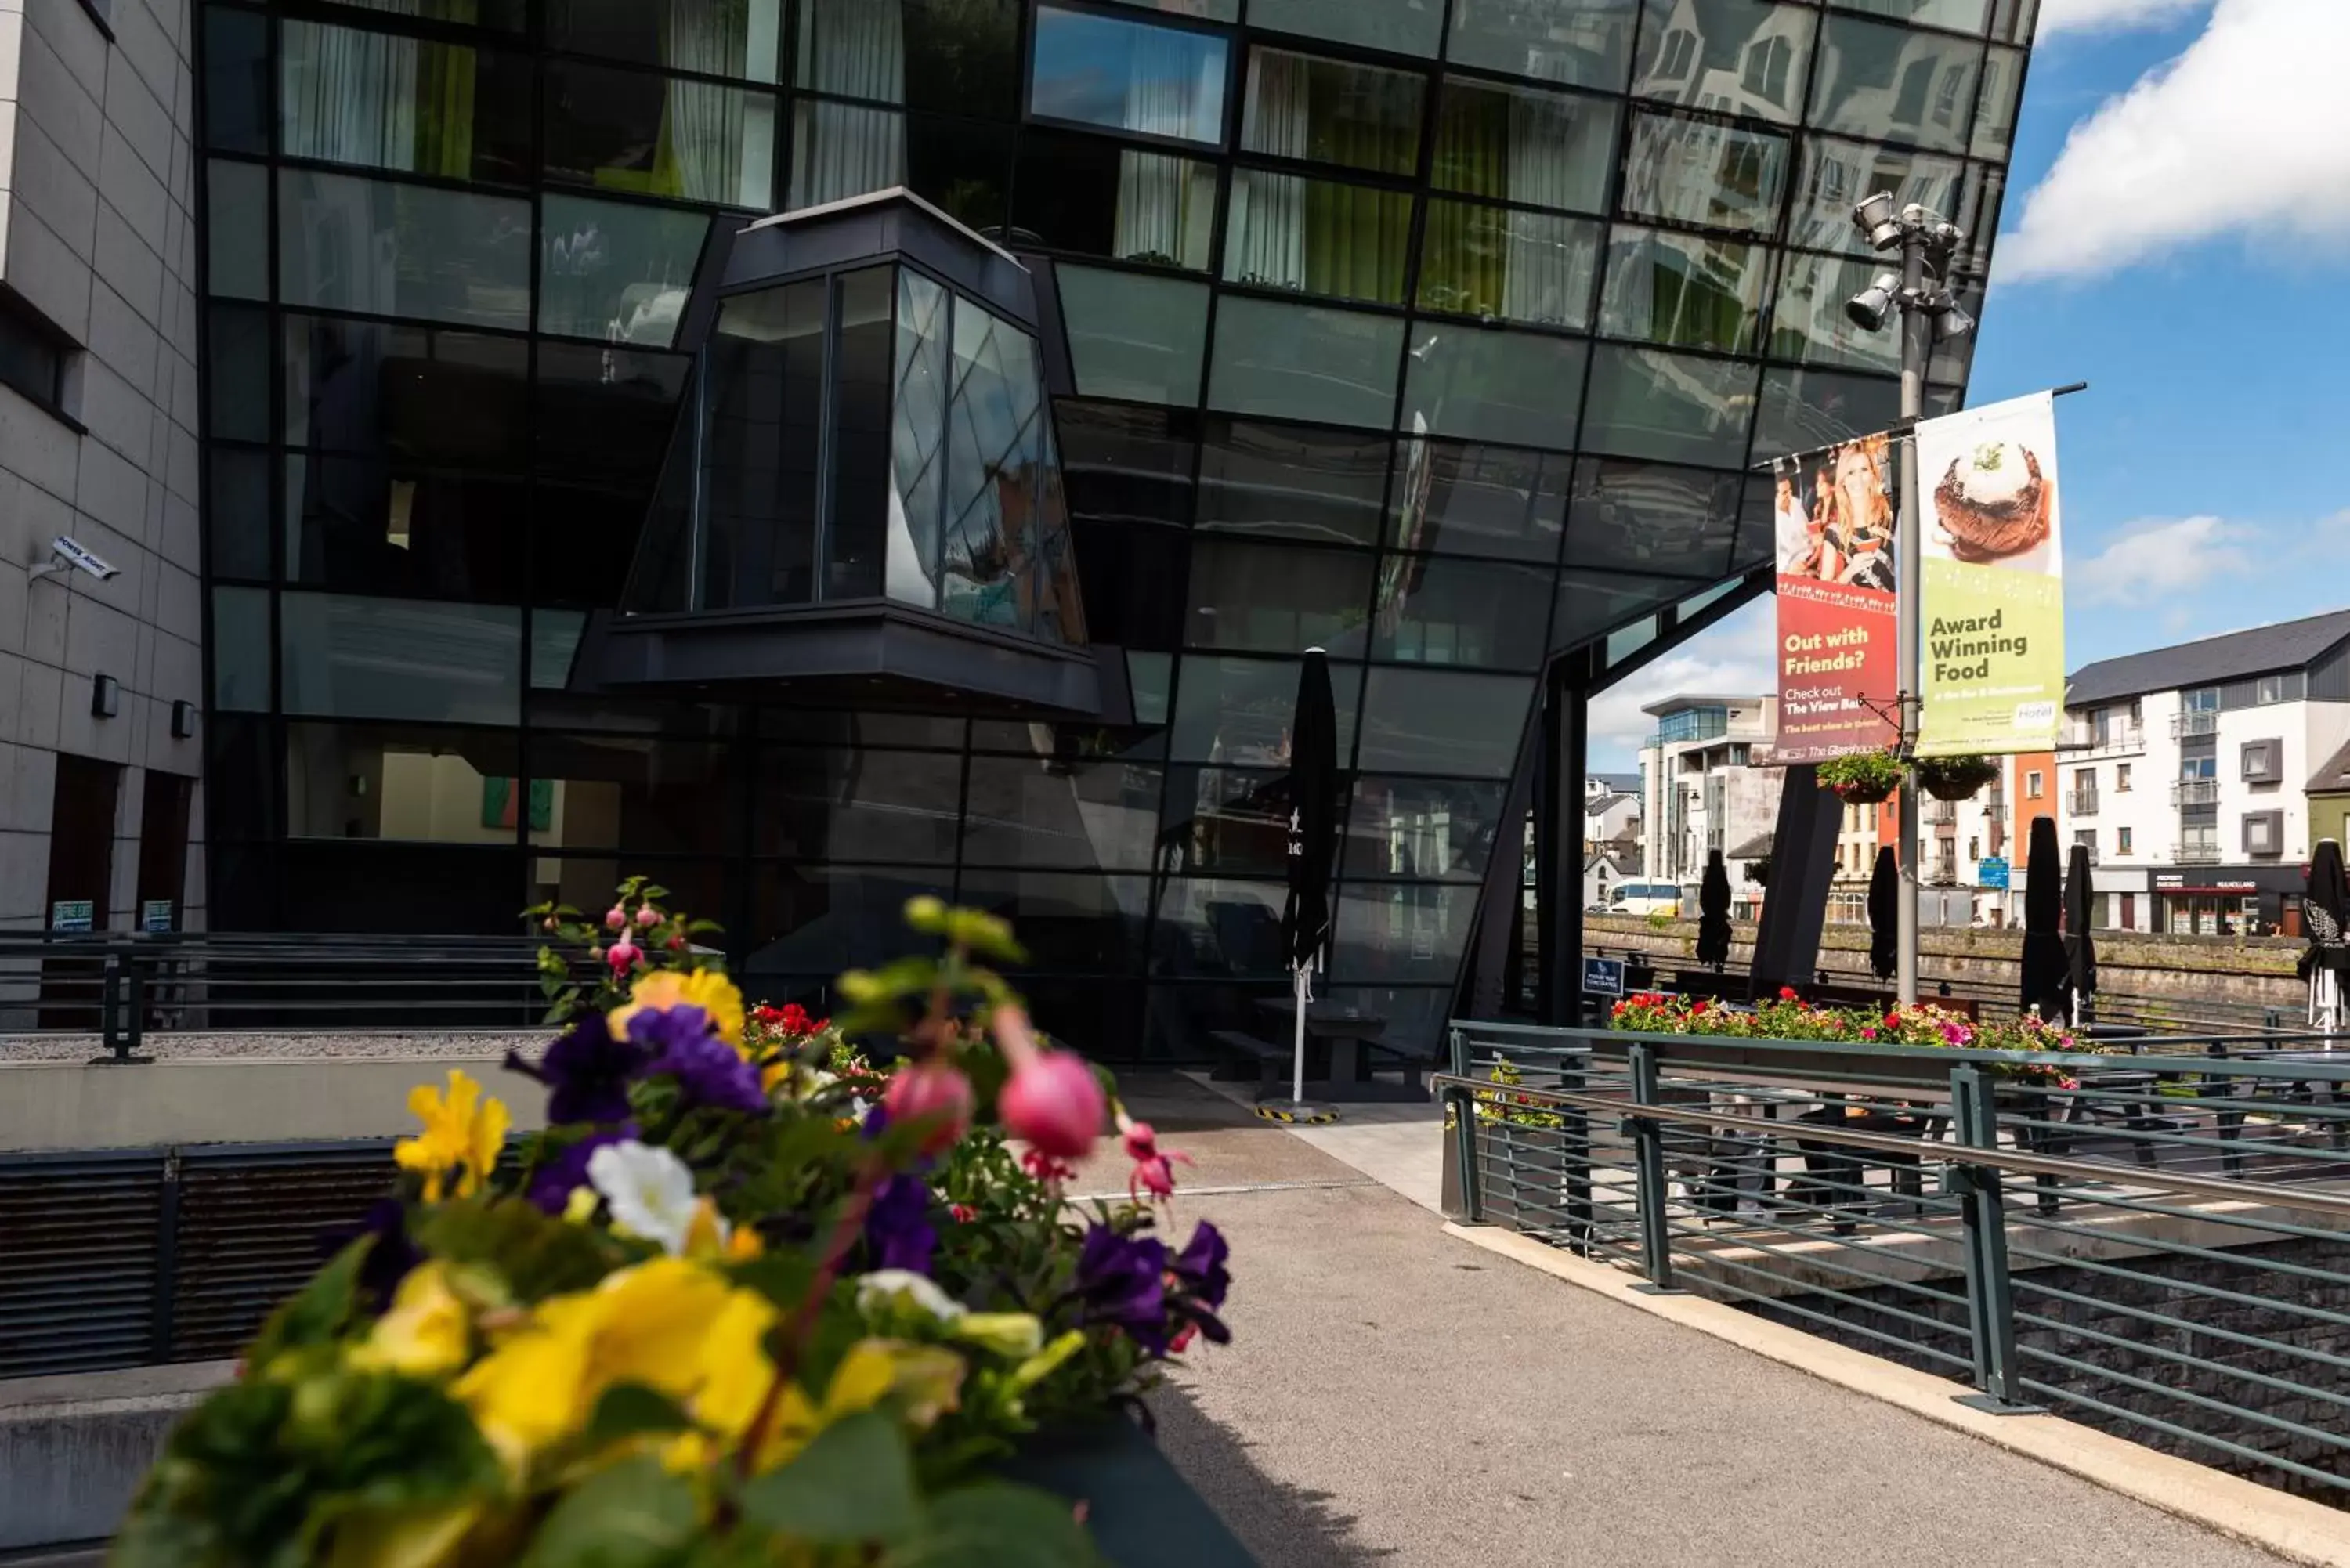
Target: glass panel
<point>616,272</point>
<point>1684,289</point>
<point>237,374</point>
<point>1317,237</point>
<point>840,150</point>
<point>1644,403</point>
<point>369,527</point>
<point>418,786</point>
<point>347,657</point>
<point>1206,10</point>
<point>1127,75</point>
<point>606,413</point>
<point>1280,481</point>
<point>421,107</point>
<point>1591,603</point>
<point>1277,599</point>
<point>918,441</point>
<point>1237,711</point>
<point>1068,924</point>
<point>765,371</point>
<point>1499,263</point>
<point>1435,610</point>
<point>1222,927</point>
<point>1430,829</point>
<point>1733,56</point>
<point>1646,517</point>
<point>1305,363</point>
<point>238,513</point>
<point>553,645</point>
<point>735,38</point>
<point>1332,111</point>
<point>863,491</point>
<point>1230,821</point>
<point>1625,641</point>
<point>237,230</point>
<point>2015,21</point>
<point>1131,572</point>
<point>1810,323</point>
<point>1402,932</point>
<point>582,538</point>
<point>1043,812</point>
<point>1477,500</point>
<point>1696,172</point>
<point>349,243</point>
<point>1495,385</point>
<point>817,920</point>
<point>504,14</point>
<point>952,55</point>
<point>1524,145</point>
<point>1135,337</point>
<point>1890,84</point>
<point>1124,464</point>
<point>636,794</point>
<point>999,479</point>
<point>833,727</point>
<point>1962,15</point>
<point>1082,194</point>
<point>236,80</point>
<point>660,136</point>
<point>1398,26</point>
<point>1837,175</point>
<point>2002,95</point>
<point>240,649</point>
<point>1582,43</point>
<point>1441,721</point>
<point>1807,408</point>
<point>425,393</point>
<point>960,167</point>
<point>817,802</point>
<point>1757,526</point>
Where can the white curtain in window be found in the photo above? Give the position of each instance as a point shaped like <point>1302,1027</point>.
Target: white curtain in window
<point>1172,89</point>
<point>704,126</point>
<point>351,96</point>
<point>856,49</point>
<point>1266,238</point>
<point>1541,263</point>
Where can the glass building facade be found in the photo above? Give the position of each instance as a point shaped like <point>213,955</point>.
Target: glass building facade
<point>1442,334</point>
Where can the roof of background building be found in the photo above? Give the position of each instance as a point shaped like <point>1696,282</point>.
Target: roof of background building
<point>1620,784</point>
<point>2333,776</point>
<point>1755,848</point>
<point>2288,645</point>
<point>1687,700</point>
<point>1600,802</point>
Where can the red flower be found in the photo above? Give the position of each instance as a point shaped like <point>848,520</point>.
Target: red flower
<point>1787,994</point>
<point>963,1212</point>
<point>1045,1167</point>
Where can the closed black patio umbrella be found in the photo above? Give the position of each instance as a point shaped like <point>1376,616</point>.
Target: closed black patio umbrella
<point>2325,918</point>
<point>1884,913</point>
<point>2080,947</point>
<point>1312,841</point>
<point>2043,907</point>
<point>1713,913</point>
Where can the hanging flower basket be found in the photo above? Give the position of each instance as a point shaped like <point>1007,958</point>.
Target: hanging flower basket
<point>1862,777</point>
<point>1955,778</point>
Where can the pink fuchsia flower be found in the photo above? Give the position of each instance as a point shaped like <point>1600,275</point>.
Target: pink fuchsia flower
<point>933,1093</point>
<point>963,1212</point>
<point>615,917</point>
<point>1045,1167</point>
<point>648,917</point>
<point>1154,1172</point>
<point>623,956</point>
<point>1054,1104</point>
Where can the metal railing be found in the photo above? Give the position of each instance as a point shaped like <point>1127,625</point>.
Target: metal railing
<point>1941,811</point>
<point>2195,855</point>
<point>2117,738</point>
<point>2194,721</point>
<point>2155,1242</point>
<point>2082,803</point>
<point>2194,792</point>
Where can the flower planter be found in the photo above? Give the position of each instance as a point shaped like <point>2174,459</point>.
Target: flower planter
<point>1783,1058</point>
<point>1955,778</point>
<point>1142,1512</point>
<point>1863,793</point>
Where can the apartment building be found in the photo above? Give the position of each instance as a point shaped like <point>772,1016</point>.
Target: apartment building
<point>2187,772</point>
<point>1701,791</point>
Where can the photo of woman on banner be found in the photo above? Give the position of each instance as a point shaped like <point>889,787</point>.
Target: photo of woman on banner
<point>1845,532</point>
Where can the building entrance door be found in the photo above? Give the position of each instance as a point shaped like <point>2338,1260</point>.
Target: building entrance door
<point>81,872</point>
<point>163,850</point>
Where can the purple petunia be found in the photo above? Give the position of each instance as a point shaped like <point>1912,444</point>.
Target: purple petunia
<point>552,1184</point>
<point>390,1255</point>
<point>1200,1280</point>
<point>897,1225</point>
<point>586,1073</point>
<point>709,1071</point>
<point>1122,1280</point>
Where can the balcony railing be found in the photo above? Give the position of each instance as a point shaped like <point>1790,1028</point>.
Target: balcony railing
<point>2117,738</point>
<point>2194,721</point>
<point>2195,854</point>
<point>2194,791</point>
<point>1941,811</point>
<point>1940,873</point>
<point>2082,803</point>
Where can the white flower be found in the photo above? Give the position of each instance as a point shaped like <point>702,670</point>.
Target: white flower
<point>881,1284</point>
<point>650,1192</point>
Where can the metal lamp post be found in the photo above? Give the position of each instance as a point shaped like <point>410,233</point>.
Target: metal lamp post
<point>1922,296</point>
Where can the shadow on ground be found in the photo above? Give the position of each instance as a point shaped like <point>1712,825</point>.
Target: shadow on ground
<point>1283,1526</point>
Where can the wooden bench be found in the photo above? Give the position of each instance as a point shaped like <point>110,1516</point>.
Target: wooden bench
<point>1411,1063</point>
<point>1247,1059</point>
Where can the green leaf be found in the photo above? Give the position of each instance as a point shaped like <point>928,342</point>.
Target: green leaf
<point>632,1410</point>
<point>318,1311</point>
<point>997,1525</point>
<point>633,1514</point>
<point>537,1254</point>
<point>854,1483</point>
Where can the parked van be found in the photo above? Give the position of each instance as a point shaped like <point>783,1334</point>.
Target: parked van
<point>1645,898</point>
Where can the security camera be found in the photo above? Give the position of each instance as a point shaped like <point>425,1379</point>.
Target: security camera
<point>67,555</point>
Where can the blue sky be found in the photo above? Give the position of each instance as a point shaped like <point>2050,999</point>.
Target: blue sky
<point>2176,234</point>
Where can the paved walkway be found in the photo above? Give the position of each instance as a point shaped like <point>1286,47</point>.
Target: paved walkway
<point>1396,1396</point>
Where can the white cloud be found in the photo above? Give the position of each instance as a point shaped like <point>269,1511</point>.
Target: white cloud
<point>2153,560</point>
<point>2090,16</point>
<point>2247,131</point>
<point>1732,659</point>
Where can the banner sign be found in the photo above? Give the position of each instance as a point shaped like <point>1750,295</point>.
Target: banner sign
<point>1992,645</point>
<point>1839,680</point>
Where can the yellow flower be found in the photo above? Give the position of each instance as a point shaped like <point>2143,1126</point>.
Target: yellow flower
<point>1010,1333</point>
<point>424,1334</point>
<point>707,989</point>
<point>1041,1365</point>
<point>463,1131</point>
<point>401,1537</point>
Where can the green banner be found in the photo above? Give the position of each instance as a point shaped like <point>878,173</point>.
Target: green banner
<point>1992,653</point>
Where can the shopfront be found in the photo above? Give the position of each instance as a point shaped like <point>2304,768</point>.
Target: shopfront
<point>2229,900</point>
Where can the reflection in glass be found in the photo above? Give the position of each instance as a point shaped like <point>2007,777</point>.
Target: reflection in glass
<point>1046,811</point>
<point>1129,75</point>
<point>1124,464</point>
<point>370,527</point>
<point>237,515</point>
<point>763,367</point>
<point>1402,932</point>
<point>1893,84</point>
<point>604,414</point>
<point>236,374</point>
<point>1401,26</point>
<point>1083,193</point>
<point>866,509</point>
<point>1687,290</point>
<point>1581,43</point>
<point>639,794</point>
<point>841,149</point>
<point>1437,829</point>
<point>814,922</point>
<point>1237,711</point>
<point>1232,822</point>
<point>237,230</point>
<point>1288,482</point>
<point>2015,21</point>
<point>1492,385</point>
<point>1441,721</point>
<point>348,657</point>
<point>429,394</point>
<point>617,270</point>
<point>1317,237</point>
<point>1959,16</point>
<point>1474,500</point>
<point>1810,324</point>
<point>416,786</point>
<point>815,803</point>
<point>1806,409</point>
<point>1133,337</point>
<point>236,80</point>
<point>1132,574</point>
<point>1433,609</point>
<point>956,57</point>
<point>1644,403</point>
<point>1005,559</point>
<point>349,243</point>
<point>1648,517</point>
<point>1837,175</point>
<point>1697,171</point>
<point>740,38</point>
<point>1499,263</point>
<point>1308,362</point>
<point>421,107</point>
<point>2001,95</point>
<point>1524,145</point>
<point>1735,56</point>
<point>1332,111</point>
<point>1068,924</point>
<point>918,440</point>
<point>660,136</point>
<point>1277,599</point>
<point>1591,603</point>
<point>1223,927</point>
<point>553,645</point>
<point>240,649</point>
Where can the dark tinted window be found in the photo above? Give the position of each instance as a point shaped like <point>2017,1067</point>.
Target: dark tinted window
<point>1648,517</point>
<point>1474,500</point>
<point>1289,481</point>
<point>425,393</point>
<point>1096,197</point>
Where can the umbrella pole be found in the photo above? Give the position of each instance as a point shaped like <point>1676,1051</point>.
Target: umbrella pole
<point>1297,1046</point>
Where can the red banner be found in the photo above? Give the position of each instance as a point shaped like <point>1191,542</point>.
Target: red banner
<point>1839,682</point>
